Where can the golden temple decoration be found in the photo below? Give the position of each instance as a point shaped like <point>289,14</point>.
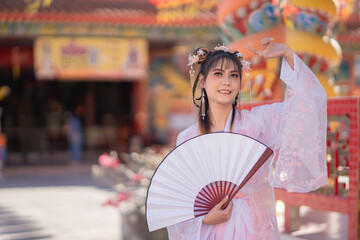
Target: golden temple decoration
<point>174,10</point>
<point>32,6</point>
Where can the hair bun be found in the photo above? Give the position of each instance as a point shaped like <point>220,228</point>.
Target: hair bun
<point>202,53</point>
<point>238,55</point>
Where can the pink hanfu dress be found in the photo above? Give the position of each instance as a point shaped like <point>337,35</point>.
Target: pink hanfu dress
<point>296,130</point>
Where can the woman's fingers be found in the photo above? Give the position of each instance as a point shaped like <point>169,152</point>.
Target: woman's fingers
<point>257,52</point>
<point>266,41</point>
<point>267,45</point>
<point>229,207</point>
<point>222,202</point>
<point>217,215</point>
<point>227,211</point>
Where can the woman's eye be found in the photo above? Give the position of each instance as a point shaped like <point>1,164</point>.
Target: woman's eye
<point>235,75</point>
<point>219,74</point>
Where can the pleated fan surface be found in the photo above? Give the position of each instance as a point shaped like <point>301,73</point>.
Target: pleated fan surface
<point>198,174</point>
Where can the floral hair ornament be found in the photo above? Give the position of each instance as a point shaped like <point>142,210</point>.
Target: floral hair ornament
<point>200,55</point>
<point>244,63</point>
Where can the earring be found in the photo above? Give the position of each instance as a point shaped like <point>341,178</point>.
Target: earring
<point>203,113</point>
<point>238,99</point>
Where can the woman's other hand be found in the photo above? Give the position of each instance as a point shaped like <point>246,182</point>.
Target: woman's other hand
<point>274,50</point>
<point>217,215</point>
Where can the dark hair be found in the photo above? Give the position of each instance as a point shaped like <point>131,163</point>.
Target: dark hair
<point>211,61</point>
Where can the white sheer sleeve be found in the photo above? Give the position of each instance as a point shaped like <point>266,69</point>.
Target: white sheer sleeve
<point>296,130</point>
<point>190,229</point>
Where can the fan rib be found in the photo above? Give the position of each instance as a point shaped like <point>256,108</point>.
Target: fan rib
<point>227,188</point>
<point>203,200</point>
<point>232,189</point>
<point>207,206</point>
<point>211,193</point>
<point>214,191</point>
<point>202,208</point>
<point>205,194</point>
<point>221,190</point>
<point>218,193</point>
<point>197,205</point>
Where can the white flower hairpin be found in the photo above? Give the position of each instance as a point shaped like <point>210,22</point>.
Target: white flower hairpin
<point>192,59</point>
<point>246,64</point>
<point>223,48</point>
<point>239,55</point>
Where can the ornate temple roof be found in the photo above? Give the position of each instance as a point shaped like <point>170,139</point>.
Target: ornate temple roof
<point>134,12</point>
<point>113,18</point>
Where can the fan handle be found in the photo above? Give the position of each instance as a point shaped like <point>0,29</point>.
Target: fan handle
<point>266,154</point>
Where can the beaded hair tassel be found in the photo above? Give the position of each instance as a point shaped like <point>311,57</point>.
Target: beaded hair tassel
<point>203,107</point>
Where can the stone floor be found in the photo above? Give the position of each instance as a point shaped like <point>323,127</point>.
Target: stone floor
<point>58,202</point>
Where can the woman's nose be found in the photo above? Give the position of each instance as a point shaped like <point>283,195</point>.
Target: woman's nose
<point>226,81</point>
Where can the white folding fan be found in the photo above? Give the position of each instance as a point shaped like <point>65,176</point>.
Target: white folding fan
<point>198,174</point>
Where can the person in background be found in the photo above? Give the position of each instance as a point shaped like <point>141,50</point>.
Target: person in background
<point>75,136</point>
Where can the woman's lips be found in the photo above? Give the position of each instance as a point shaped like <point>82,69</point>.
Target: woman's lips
<point>223,91</point>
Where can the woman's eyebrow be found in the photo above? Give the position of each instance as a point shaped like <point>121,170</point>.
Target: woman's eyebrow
<point>217,69</point>
<point>223,70</point>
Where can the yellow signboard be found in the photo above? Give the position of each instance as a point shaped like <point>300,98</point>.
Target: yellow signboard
<point>66,58</point>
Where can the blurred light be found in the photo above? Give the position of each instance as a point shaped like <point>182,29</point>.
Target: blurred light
<point>282,176</point>
<point>280,207</point>
<point>345,180</point>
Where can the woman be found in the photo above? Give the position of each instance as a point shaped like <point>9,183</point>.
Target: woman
<point>295,129</point>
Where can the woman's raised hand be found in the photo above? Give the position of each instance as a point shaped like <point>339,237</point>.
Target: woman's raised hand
<point>217,215</point>
<point>274,50</point>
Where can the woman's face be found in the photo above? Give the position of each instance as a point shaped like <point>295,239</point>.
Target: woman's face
<point>222,83</point>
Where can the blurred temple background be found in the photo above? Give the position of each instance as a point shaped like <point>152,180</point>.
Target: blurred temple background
<point>82,77</point>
